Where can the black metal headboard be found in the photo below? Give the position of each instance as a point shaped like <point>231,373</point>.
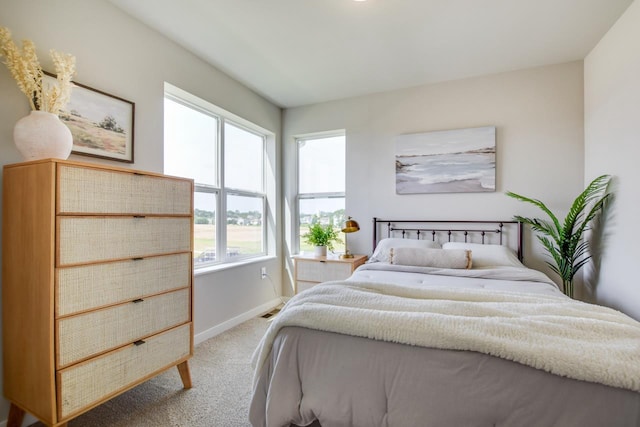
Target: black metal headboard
<point>508,233</point>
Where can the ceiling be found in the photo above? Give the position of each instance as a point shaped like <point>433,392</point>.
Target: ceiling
<point>298,52</point>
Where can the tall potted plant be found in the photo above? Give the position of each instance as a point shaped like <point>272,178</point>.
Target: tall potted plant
<point>321,237</point>
<point>564,240</point>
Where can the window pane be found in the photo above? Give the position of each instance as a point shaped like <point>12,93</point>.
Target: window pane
<point>244,225</point>
<point>190,143</point>
<point>243,156</point>
<point>321,165</point>
<point>325,211</point>
<point>204,228</point>
<point>194,139</point>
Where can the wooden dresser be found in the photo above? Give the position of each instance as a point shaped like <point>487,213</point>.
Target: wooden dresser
<point>96,284</point>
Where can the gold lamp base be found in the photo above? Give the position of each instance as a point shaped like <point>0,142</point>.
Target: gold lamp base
<point>346,255</point>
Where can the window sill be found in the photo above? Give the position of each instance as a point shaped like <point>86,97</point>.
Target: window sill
<point>229,265</point>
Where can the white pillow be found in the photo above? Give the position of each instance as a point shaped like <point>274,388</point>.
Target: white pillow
<point>488,255</point>
<point>381,254</point>
<point>431,257</point>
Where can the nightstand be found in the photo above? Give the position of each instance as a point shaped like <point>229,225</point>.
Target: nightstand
<point>311,270</point>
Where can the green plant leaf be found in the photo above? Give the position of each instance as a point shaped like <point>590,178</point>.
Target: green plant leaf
<point>540,205</point>
<point>319,235</point>
<point>564,240</point>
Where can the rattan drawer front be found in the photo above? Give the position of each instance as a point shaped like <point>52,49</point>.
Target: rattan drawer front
<point>90,239</point>
<point>95,191</point>
<point>97,331</point>
<point>315,271</point>
<point>303,286</point>
<point>99,378</point>
<point>96,285</point>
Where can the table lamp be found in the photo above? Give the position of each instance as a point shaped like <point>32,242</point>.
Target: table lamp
<point>349,226</point>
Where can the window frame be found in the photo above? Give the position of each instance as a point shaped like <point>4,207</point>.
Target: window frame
<point>316,195</point>
<point>220,191</point>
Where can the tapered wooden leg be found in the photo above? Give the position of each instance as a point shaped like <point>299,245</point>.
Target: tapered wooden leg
<point>16,415</point>
<point>185,374</point>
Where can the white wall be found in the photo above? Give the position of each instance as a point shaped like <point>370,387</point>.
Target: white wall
<point>118,55</point>
<point>612,145</point>
<point>539,118</point>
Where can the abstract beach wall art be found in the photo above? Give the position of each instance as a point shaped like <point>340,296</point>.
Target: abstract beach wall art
<point>449,161</point>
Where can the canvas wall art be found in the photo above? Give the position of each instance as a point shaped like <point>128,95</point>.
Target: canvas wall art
<point>449,161</point>
<point>101,124</point>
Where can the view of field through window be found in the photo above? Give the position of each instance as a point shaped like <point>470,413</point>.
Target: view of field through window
<point>244,230</point>
<point>242,239</point>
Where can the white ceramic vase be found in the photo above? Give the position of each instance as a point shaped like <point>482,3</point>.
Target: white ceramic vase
<point>41,135</point>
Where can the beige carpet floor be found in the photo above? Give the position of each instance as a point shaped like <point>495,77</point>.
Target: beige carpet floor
<point>221,374</point>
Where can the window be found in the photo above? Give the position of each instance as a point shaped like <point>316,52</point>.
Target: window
<point>321,183</point>
<point>225,156</point>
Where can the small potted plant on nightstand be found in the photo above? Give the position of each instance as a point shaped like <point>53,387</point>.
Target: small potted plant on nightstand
<point>322,237</point>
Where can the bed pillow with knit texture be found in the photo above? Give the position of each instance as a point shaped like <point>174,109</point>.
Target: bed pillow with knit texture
<point>488,255</point>
<point>430,257</point>
<point>381,254</point>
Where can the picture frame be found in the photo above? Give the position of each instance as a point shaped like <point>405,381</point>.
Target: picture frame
<point>449,161</point>
<point>102,124</point>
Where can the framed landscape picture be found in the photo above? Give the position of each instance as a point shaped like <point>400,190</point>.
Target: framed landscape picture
<point>450,161</point>
<point>101,124</point>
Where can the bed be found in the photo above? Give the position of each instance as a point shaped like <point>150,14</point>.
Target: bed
<point>415,338</point>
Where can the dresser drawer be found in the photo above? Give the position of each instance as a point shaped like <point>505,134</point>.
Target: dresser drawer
<point>97,331</point>
<point>316,271</point>
<point>96,285</point>
<point>89,239</point>
<point>96,379</point>
<point>95,191</point>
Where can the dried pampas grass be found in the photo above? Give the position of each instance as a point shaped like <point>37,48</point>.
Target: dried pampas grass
<point>25,68</point>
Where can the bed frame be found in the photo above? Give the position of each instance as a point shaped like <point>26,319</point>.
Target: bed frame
<point>508,233</point>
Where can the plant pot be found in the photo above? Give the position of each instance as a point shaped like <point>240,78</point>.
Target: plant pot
<point>320,251</point>
<point>41,135</point>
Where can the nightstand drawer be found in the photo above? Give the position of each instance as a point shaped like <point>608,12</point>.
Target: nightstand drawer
<point>97,285</point>
<point>313,270</point>
<point>95,191</point>
<point>96,379</point>
<point>318,271</point>
<point>91,239</point>
<point>303,286</point>
<point>97,331</point>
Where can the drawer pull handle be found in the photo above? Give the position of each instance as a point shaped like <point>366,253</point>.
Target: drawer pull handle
<point>139,342</point>
<point>138,173</point>
<point>135,301</point>
<point>137,259</point>
<point>323,262</point>
<point>139,216</point>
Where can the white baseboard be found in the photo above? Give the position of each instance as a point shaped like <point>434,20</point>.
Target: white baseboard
<point>224,326</point>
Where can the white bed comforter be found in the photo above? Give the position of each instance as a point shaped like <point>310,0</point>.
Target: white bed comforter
<point>550,332</point>
<point>497,278</point>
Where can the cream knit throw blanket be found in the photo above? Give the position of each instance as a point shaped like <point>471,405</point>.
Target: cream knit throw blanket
<point>552,333</point>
